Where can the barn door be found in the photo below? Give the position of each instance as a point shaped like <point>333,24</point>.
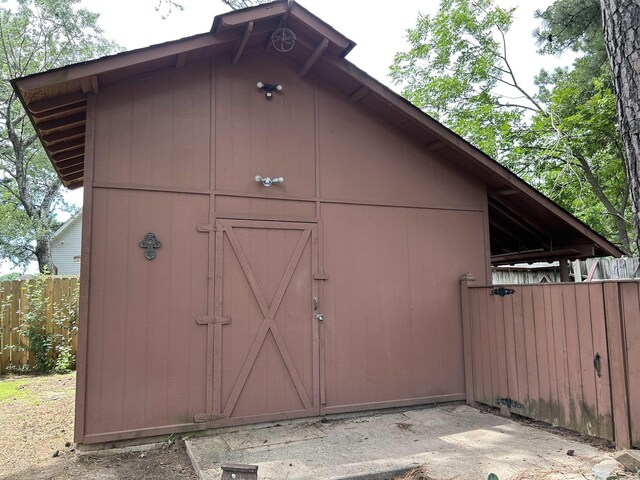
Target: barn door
<point>266,359</point>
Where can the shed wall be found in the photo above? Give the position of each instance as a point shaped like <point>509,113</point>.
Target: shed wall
<point>397,226</point>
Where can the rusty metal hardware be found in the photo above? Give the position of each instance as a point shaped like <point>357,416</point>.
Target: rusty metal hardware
<point>502,291</point>
<point>597,364</point>
<point>239,472</point>
<point>150,243</point>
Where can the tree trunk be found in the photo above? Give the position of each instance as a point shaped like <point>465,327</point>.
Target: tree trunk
<point>43,254</point>
<point>621,20</point>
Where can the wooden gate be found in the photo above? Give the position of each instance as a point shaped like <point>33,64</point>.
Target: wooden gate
<point>566,354</point>
<point>266,358</point>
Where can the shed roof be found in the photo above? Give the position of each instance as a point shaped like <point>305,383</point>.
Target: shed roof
<point>525,225</point>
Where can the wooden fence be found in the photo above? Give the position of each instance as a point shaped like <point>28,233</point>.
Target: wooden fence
<point>566,354</point>
<point>579,271</point>
<point>14,304</point>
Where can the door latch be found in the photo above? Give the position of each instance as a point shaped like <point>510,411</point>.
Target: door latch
<point>317,315</point>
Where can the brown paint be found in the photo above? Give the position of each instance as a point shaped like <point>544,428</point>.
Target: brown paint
<point>617,368</point>
<point>466,281</point>
<point>85,272</point>
<point>630,297</point>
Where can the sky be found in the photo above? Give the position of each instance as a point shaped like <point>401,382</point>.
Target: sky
<point>378,28</point>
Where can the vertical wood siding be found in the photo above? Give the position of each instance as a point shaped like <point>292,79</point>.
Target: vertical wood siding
<point>155,132</point>
<point>392,326</point>
<point>145,353</point>
<point>365,158</point>
<point>255,136</point>
<point>535,352</point>
<point>394,226</point>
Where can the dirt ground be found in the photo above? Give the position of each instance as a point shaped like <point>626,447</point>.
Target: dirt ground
<point>36,438</point>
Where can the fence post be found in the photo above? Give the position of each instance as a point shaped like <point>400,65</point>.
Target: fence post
<point>467,280</point>
<point>617,365</point>
<point>564,271</point>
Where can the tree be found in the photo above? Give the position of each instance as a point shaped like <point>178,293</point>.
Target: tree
<point>561,138</point>
<point>35,35</point>
<point>576,23</point>
<point>622,39</point>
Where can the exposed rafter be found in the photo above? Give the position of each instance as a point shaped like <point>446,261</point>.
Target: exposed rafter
<point>574,251</point>
<point>436,145</point>
<point>243,42</point>
<point>57,102</point>
<point>181,59</point>
<point>315,56</point>
<point>359,94</point>
<point>516,219</point>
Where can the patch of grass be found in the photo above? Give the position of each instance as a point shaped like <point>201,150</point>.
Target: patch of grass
<point>12,390</point>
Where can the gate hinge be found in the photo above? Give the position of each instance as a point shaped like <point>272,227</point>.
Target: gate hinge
<point>206,320</point>
<point>206,228</point>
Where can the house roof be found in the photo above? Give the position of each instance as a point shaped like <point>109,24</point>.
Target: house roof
<point>525,225</point>
<point>65,226</point>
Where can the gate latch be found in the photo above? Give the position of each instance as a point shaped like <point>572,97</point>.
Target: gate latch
<point>502,291</point>
<point>317,315</point>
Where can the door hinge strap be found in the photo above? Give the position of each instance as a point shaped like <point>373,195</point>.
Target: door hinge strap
<point>206,228</point>
<point>206,320</point>
<point>320,276</point>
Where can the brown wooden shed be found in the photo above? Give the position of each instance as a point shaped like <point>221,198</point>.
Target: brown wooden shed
<point>336,290</point>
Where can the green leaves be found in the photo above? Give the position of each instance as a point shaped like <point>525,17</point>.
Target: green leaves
<point>35,35</point>
<point>563,138</point>
<point>453,67</point>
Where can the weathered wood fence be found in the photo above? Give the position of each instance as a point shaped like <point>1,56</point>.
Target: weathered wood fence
<point>14,304</point>
<point>567,354</point>
<point>579,270</point>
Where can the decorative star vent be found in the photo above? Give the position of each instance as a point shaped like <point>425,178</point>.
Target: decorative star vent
<point>283,39</point>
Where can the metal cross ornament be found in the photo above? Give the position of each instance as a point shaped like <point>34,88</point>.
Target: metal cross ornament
<point>150,243</point>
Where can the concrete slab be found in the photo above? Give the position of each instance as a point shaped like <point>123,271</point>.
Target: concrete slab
<point>454,441</point>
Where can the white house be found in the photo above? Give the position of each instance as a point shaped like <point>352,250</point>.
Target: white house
<point>65,246</point>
